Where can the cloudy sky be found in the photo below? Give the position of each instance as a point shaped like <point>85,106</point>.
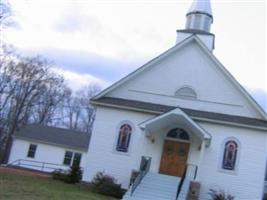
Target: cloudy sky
<point>100,41</point>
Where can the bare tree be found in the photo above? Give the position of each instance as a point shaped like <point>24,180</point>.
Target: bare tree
<point>88,118</point>
<point>78,112</point>
<point>30,91</point>
<point>73,111</point>
<point>45,111</point>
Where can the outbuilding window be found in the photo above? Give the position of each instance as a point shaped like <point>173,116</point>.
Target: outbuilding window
<point>230,155</point>
<point>67,158</point>
<point>124,138</point>
<point>32,151</point>
<point>72,158</point>
<point>77,159</point>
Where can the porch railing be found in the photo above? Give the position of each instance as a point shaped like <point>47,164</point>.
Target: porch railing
<point>189,173</point>
<point>144,168</point>
<point>36,165</point>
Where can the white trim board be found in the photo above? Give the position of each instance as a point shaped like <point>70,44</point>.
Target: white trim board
<point>194,118</point>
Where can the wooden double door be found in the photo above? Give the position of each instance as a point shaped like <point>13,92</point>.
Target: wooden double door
<point>174,158</point>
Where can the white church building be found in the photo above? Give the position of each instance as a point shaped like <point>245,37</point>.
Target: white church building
<point>179,118</point>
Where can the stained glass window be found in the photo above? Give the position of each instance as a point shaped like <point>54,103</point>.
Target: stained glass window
<point>124,138</point>
<point>230,155</point>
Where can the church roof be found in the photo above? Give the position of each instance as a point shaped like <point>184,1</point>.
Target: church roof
<point>194,114</point>
<point>55,136</point>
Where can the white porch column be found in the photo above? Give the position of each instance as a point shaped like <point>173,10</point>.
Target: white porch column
<point>200,160</point>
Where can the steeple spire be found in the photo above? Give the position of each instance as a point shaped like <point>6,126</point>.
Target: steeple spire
<point>198,22</point>
<point>199,16</point>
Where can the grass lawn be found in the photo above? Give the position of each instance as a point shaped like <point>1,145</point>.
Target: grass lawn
<point>14,187</point>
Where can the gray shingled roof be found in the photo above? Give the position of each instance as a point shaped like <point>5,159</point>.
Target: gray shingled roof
<point>190,112</point>
<point>55,136</point>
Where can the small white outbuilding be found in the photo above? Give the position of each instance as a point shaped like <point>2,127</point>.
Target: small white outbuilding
<point>47,148</point>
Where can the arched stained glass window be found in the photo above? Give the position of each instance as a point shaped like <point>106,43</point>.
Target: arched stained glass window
<point>178,133</point>
<point>123,142</point>
<point>230,155</point>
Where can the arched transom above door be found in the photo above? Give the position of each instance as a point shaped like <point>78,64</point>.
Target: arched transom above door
<point>178,133</point>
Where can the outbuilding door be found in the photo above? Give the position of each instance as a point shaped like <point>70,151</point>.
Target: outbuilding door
<point>174,158</point>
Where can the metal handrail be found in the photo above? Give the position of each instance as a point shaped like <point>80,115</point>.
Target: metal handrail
<point>144,168</point>
<point>33,163</point>
<point>185,176</point>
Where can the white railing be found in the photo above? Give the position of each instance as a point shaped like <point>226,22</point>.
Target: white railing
<point>144,168</point>
<point>37,165</point>
<point>189,174</point>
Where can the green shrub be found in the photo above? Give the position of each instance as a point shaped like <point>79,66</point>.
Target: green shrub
<point>60,175</point>
<point>221,195</point>
<point>1,155</point>
<point>106,185</point>
<point>74,175</point>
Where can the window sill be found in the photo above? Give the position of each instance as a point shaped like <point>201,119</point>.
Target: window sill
<point>121,153</point>
<point>230,172</point>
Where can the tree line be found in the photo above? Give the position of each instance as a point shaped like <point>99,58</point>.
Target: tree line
<point>32,92</point>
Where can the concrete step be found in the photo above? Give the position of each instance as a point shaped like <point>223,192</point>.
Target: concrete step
<point>155,187</point>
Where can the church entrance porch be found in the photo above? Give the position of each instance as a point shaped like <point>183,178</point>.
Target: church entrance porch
<point>171,157</point>
<point>177,144</point>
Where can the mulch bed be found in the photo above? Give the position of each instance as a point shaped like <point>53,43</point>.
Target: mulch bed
<point>23,172</point>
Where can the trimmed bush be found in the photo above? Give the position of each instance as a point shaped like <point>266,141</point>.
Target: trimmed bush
<point>74,174</point>
<point>1,155</point>
<point>221,195</point>
<point>60,174</point>
<point>106,185</point>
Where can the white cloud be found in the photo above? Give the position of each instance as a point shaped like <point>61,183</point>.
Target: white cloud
<point>139,30</point>
<point>77,81</point>
<point>112,29</point>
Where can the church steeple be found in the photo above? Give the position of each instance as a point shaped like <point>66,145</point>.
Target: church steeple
<point>198,22</point>
<point>199,16</point>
